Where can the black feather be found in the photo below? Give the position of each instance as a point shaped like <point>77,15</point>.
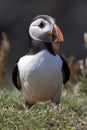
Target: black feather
<point>16,78</point>
<point>65,70</point>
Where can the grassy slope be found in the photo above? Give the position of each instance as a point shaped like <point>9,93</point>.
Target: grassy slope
<point>70,115</point>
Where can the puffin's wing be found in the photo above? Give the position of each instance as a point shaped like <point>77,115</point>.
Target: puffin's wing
<point>65,70</point>
<point>15,77</point>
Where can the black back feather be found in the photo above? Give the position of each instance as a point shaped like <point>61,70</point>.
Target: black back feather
<point>65,70</point>
<point>16,78</point>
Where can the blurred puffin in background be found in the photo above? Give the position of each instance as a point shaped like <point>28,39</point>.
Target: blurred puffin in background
<point>40,74</point>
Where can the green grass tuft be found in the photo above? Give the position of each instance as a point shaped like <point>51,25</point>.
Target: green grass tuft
<point>70,115</point>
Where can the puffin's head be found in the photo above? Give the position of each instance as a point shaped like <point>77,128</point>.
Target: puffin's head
<point>44,28</point>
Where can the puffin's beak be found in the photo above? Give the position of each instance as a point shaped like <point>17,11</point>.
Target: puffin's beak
<point>56,34</point>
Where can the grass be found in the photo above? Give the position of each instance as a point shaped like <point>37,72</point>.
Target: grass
<point>70,115</point>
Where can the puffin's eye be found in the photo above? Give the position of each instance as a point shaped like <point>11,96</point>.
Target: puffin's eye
<point>41,25</point>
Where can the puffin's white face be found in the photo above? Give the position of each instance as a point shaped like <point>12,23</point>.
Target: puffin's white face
<point>45,29</point>
<point>40,30</point>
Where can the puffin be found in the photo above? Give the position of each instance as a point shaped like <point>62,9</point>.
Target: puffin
<point>40,74</point>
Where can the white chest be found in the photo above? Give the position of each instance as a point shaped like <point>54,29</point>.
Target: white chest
<point>40,74</point>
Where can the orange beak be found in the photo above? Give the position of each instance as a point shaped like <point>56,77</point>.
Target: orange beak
<point>56,34</point>
<point>59,35</point>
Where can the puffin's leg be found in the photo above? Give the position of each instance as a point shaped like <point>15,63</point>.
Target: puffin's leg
<point>29,105</point>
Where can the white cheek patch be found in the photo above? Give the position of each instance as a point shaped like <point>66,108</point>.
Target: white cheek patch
<point>34,33</point>
<point>38,33</point>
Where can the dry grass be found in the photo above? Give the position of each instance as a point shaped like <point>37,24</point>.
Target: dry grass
<point>4,48</point>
